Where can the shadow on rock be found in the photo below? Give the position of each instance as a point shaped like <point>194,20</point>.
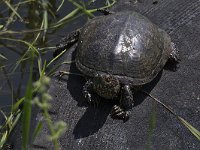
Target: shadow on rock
<point>140,96</point>
<point>95,117</point>
<point>91,121</point>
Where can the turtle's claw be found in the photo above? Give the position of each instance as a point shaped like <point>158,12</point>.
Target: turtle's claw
<point>119,113</point>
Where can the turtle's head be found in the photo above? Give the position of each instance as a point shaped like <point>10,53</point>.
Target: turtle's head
<point>106,86</point>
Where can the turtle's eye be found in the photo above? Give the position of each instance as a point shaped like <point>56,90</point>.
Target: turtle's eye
<point>108,79</point>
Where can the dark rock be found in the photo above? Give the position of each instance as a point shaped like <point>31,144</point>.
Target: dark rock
<point>92,128</point>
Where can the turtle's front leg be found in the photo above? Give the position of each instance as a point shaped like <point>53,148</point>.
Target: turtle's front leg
<point>126,104</point>
<point>87,89</point>
<point>67,41</point>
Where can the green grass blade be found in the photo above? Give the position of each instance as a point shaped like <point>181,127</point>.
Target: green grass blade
<point>4,115</point>
<point>58,56</point>
<point>193,130</point>
<point>13,9</point>
<point>37,130</point>
<point>3,57</point>
<point>16,119</point>
<point>68,16</point>
<point>15,107</point>
<point>26,116</point>
<point>81,8</point>
<point>62,2</point>
<point>3,139</point>
<point>45,18</point>
<point>152,126</point>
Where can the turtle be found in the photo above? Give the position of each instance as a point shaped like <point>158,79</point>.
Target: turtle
<point>120,53</point>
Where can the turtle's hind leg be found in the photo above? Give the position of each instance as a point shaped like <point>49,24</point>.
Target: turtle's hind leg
<point>118,113</point>
<point>126,104</point>
<point>67,42</point>
<point>105,11</point>
<point>174,59</point>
